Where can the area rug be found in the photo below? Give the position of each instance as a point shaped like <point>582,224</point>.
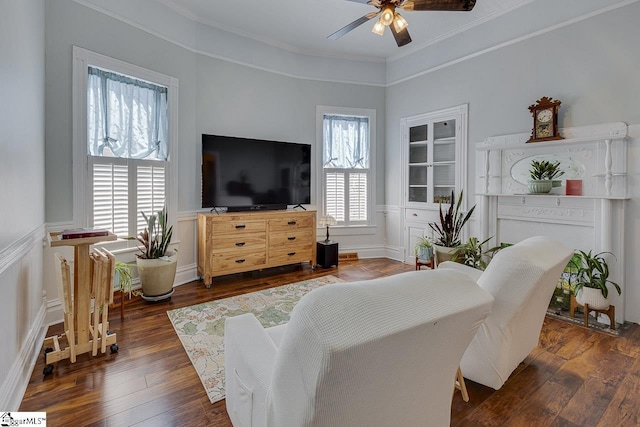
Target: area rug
<point>201,327</point>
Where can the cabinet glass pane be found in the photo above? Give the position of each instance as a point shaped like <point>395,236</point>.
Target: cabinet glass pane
<point>442,195</point>
<point>418,133</point>
<point>444,129</point>
<point>418,153</point>
<point>444,175</point>
<point>418,194</point>
<point>444,152</point>
<point>417,175</point>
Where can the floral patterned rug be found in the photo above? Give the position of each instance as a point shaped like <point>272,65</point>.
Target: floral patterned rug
<point>201,327</point>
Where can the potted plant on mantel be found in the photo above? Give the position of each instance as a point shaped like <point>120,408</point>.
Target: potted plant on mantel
<point>156,263</point>
<point>592,277</point>
<point>447,232</point>
<point>542,174</point>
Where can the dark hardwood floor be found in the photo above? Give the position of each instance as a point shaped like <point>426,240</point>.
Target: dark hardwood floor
<point>575,377</point>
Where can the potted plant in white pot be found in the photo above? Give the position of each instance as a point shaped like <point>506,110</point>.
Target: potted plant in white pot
<point>540,183</point>
<point>447,232</point>
<point>592,277</point>
<point>156,263</point>
<point>423,249</point>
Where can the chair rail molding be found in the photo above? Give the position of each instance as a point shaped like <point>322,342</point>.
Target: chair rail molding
<point>595,154</point>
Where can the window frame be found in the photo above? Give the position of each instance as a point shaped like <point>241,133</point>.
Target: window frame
<point>370,114</point>
<point>82,196</point>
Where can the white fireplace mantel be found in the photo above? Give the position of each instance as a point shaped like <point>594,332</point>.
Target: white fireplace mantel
<point>594,221</point>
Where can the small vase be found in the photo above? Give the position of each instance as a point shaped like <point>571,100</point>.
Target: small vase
<point>540,186</point>
<point>593,297</point>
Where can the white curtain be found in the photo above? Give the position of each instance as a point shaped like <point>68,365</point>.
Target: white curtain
<point>127,117</point>
<point>346,144</point>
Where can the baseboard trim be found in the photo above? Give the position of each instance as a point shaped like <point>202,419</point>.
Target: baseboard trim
<point>15,385</point>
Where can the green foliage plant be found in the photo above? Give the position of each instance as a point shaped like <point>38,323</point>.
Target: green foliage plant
<point>124,276</point>
<point>554,171</point>
<point>156,236</point>
<point>544,170</point>
<point>451,223</point>
<point>422,242</point>
<point>593,272</point>
<point>473,254</point>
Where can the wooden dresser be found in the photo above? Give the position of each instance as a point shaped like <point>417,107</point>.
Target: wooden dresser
<point>243,241</point>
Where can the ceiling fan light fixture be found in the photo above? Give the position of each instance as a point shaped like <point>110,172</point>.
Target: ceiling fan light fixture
<point>378,28</point>
<point>399,23</point>
<point>388,13</point>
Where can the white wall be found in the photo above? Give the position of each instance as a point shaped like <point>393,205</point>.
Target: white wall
<point>22,193</point>
<point>591,66</point>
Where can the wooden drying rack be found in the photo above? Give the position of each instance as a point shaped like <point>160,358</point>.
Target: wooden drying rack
<point>81,319</point>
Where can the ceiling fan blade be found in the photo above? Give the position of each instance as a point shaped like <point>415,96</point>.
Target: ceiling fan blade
<point>344,30</point>
<point>446,5</point>
<point>402,37</point>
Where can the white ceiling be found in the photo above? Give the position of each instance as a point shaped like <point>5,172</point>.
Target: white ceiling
<point>303,25</point>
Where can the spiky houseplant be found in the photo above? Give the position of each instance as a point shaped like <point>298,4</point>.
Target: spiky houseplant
<point>156,264</point>
<point>451,223</point>
<point>156,236</point>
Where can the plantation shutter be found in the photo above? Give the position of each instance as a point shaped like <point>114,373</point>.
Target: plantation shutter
<point>334,195</point>
<point>357,197</point>
<point>149,192</point>
<point>111,197</point>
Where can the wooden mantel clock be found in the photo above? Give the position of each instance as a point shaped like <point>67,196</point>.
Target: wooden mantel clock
<point>545,120</point>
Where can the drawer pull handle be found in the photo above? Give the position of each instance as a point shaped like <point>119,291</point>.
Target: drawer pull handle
<point>292,222</point>
<point>239,261</point>
<point>240,227</point>
<point>291,238</point>
<point>291,253</point>
<point>240,244</point>
<point>415,214</point>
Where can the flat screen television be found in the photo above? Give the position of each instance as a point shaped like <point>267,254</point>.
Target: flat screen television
<point>251,174</point>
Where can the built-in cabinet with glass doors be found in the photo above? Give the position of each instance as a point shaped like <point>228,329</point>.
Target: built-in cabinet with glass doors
<point>434,147</point>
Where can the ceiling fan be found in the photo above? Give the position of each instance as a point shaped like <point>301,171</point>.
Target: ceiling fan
<point>389,17</point>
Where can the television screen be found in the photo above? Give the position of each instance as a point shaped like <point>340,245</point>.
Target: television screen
<point>241,173</point>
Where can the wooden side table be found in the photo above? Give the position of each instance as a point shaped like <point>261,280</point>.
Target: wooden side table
<point>610,312</point>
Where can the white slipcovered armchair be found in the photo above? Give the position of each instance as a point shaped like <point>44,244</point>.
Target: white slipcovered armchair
<point>521,278</point>
<point>381,352</point>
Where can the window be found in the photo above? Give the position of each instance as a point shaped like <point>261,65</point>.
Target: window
<point>124,130</point>
<point>347,164</point>
<point>127,146</point>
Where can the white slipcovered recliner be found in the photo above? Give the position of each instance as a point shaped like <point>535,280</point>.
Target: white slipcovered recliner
<point>380,352</point>
<point>521,278</point>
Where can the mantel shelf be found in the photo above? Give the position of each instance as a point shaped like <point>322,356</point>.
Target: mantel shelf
<point>576,135</point>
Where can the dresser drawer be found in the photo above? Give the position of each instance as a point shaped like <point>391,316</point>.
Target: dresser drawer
<point>290,222</point>
<point>420,215</point>
<point>288,238</point>
<point>239,241</point>
<point>234,226</point>
<point>291,253</point>
<point>231,262</point>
